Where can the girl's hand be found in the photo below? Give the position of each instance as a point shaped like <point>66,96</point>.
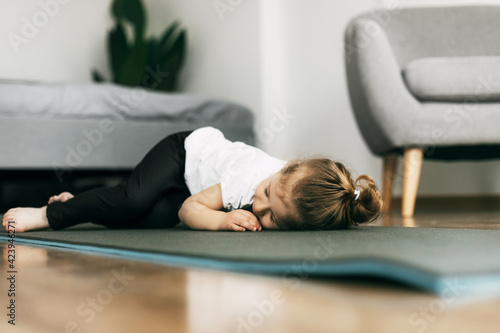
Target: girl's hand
<point>240,220</point>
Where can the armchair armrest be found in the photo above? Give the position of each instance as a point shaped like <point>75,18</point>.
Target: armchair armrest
<point>384,108</point>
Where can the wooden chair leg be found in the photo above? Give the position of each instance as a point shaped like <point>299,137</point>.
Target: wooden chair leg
<point>412,166</point>
<point>408,222</point>
<point>390,165</point>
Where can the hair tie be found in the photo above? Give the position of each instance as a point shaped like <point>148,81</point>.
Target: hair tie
<point>357,193</point>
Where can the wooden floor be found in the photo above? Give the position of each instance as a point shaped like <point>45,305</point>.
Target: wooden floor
<point>66,291</point>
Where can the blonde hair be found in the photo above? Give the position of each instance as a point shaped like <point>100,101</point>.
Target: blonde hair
<point>322,192</point>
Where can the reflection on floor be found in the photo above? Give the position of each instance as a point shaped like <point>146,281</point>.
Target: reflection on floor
<point>461,212</point>
<point>67,291</point>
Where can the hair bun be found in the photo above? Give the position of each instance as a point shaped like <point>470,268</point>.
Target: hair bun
<point>368,205</point>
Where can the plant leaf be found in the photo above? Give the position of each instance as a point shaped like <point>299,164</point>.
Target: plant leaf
<point>129,58</point>
<point>177,52</point>
<point>118,50</point>
<point>97,77</point>
<point>173,62</point>
<point>118,9</point>
<point>165,43</point>
<point>132,72</point>
<point>168,33</point>
<point>133,12</point>
<point>152,45</point>
<point>181,48</point>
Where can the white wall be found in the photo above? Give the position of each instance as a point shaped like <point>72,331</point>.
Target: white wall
<point>274,56</point>
<point>63,50</point>
<point>223,55</point>
<point>307,59</point>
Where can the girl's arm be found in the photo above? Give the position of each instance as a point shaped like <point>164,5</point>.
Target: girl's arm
<point>203,211</point>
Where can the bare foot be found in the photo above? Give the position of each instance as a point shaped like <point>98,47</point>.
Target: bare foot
<point>26,218</point>
<point>65,196</point>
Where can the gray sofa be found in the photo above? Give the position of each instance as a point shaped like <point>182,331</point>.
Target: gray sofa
<point>101,126</point>
<point>425,83</point>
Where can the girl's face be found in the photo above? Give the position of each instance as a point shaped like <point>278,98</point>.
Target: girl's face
<point>270,205</point>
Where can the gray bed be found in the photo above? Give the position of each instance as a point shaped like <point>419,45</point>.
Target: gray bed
<point>101,126</point>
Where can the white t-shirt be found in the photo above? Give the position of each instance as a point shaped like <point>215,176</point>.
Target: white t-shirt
<point>238,167</point>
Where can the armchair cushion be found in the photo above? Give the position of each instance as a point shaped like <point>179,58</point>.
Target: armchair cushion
<point>454,79</point>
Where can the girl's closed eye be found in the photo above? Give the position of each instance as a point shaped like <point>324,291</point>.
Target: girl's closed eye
<point>273,221</point>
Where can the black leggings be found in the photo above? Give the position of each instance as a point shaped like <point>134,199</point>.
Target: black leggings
<point>149,198</point>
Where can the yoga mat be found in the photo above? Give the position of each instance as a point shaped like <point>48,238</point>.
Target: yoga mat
<point>449,262</point>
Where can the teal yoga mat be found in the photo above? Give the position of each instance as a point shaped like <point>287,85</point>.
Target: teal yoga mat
<point>437,260</point>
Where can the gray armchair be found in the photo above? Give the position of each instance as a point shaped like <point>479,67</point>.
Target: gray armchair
<point>425,83</point>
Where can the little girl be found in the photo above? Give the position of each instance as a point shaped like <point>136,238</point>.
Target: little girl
<point>207,182</point>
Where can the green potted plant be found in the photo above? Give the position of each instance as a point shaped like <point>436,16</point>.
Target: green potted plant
<point>133,58</point>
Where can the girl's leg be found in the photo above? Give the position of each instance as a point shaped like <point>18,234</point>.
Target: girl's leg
<point>163,214</point>
<point>160,172</point>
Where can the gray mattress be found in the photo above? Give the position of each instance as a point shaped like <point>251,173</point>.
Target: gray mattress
<point>101,126</point>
